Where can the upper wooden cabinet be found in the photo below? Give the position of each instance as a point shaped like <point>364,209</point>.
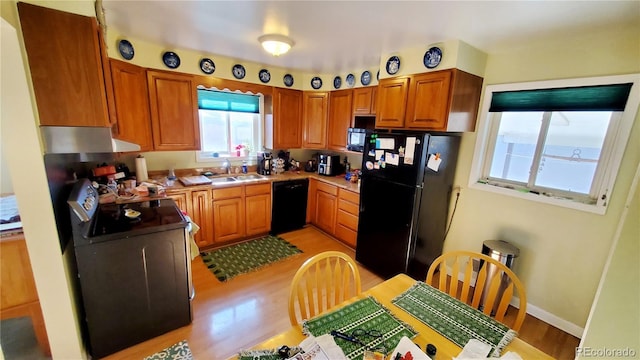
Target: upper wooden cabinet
<point>364,100</point>
<point>69,67</point>
<point>173,103</point>
<point>131,104</point>
<point>315,112</point>
<point>287,118</point>
<point>444,100</point>
<point>340,118</point>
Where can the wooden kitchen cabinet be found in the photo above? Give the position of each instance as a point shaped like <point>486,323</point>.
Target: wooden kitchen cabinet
<point>257,209</point>
<point>69,67</point>
<point>315,117</point>
<point>202,214</point>
<point>133,120</point>
<point>228,214</point>
<point>326,204</point>
<point>347,217</point>
<point>445,100</point>
<point>364,100</point>
<point>173,102</point>
<point>287,118</point>
<point>183,201</point>
<point>340,118</point>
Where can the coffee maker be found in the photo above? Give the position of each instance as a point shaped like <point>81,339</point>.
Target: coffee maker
<point>264,163</point>
<point>329,165</point>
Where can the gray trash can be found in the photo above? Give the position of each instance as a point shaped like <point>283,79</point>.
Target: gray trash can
<point>505,253</point>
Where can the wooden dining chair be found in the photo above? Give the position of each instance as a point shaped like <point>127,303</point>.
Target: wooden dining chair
<point>492,286</point>
<point>322,282</point>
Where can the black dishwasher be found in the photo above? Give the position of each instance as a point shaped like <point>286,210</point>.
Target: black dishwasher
<point>289,209</point>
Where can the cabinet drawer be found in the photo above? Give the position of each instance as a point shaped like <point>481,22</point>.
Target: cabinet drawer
<point>257,189</point>
<point>329,189</point>
<point>348,236</point>
<point>349,196</point>
<point>349,207</point>
<point>230,192</point>
<point>348,220</point>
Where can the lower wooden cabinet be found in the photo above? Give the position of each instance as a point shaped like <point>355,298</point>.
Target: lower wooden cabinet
<point>181,201</point>
<point>334,210</point>
<point>228,214</point>
<point>257,205</point>
<point>326,203</point>
<point>202,214</point>
<point>347,216</point>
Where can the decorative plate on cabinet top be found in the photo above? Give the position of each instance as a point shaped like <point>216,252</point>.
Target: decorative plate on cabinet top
<point>337,82</point>
<point>171,59</point>
<point>264,75</point>
<point>238,71</point>
<point>316,83</point>
<point>207,66</point>
<point>126,49</point>
<point>393,65</point>
<point>365,78</point>
<point>432,57</point>
<point>288,80</point>
<point>351,80</point>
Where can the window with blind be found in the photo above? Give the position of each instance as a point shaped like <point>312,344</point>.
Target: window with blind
<point>230,124</point>
<point>555,141</point>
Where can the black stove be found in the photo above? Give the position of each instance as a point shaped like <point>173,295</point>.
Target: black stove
<point>154,215</point>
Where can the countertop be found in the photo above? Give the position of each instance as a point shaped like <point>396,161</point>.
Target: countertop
<point>177,187</point>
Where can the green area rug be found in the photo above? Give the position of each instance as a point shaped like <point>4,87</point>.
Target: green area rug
<point>238,259</point>
<point>179,351</point>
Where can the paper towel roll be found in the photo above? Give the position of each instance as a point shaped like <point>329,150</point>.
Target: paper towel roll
<point>141,169</point>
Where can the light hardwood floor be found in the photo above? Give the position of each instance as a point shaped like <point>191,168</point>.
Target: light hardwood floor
<point>235,315</point>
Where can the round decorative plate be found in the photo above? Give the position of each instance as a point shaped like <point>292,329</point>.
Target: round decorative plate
<point>171,59</point>
<point>238,71</point>
<point>288,80</point>
<point>365,78</point>
<point>126,49</point>
<point>393,65</point>
<point>264,75</point>
<point>207,66</point>
<point>316,83</point>
<point>432,57</point>
<point>351,80</point>
<point>337,82</point>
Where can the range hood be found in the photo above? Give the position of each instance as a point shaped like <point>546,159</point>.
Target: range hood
<point>82,140</point>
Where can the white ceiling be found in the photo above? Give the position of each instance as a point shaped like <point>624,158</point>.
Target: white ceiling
<point>340,36</point>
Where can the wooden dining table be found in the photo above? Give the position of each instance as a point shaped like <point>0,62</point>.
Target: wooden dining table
<point>384,293</point>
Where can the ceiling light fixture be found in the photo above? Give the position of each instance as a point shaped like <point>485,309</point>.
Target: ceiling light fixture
<point>276,44</point>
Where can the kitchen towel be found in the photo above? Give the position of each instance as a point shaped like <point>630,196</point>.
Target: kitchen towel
<point>141,169</point>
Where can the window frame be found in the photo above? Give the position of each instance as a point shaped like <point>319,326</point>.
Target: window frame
<point>612,150</point>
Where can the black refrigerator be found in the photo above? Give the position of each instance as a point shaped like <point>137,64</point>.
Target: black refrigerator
<point>405,191</point>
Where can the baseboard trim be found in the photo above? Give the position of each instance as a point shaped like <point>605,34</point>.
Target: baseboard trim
<point>551,319</point>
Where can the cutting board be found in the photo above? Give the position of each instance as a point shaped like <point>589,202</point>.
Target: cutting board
<point>194,180</point>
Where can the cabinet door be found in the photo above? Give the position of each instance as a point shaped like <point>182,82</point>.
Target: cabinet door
<point>202,214</point>
<point>287,118</point>
<point>182,201</point>
<point>362,101</point>
<point>391,102</point>
<point>326,205</point>
<point>315,107</point>
<point>174,111</point>
<point>228,219</point>
<point>65,59</point>
<point>131,104</point>
<point>258,214</point>
<point>428,104</point>
<point>340,118</point>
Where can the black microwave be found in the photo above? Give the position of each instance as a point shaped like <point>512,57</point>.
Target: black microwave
<point>356,138</point>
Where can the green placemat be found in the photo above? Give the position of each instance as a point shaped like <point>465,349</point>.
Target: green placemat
<point>452,318</point>
<point>238,259</point>
<point>179,351</point>
<point>269,354</point>
<point>366,314</point>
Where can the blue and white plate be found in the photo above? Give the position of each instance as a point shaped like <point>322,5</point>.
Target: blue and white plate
<point>393,65</point>
<point>365,78</point>
<point>171,59</point>
<point>238,71</point>
<point>126,49</point>
<point>207,66</point>
<point>337,82</point>
<point>264,75</point>
<point>288,80</point>
<point>351,80</point>
<point>432,57</point>
<point>316,83</point>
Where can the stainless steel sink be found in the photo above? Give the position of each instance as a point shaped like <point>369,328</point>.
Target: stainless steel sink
<point>250,177</point>
<point>222,180</point>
